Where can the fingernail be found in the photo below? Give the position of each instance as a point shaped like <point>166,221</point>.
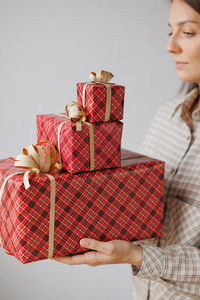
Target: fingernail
<point>83,243</point>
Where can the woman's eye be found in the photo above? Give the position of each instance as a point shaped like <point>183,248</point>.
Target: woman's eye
<point>188,34</point>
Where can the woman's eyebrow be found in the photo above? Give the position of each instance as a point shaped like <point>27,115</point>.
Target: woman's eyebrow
<point>186,21</point>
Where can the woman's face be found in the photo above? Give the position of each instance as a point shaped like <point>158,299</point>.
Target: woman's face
<point>184,42</point>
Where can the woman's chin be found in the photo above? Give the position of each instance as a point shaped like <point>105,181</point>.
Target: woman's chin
<point>186,78</point>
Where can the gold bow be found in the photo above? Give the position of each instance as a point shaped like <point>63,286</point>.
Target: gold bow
<point>39,159</point>
<point>101,76</point>
<point>75,112</point>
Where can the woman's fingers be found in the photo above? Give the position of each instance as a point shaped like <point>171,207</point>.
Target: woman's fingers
<point>91,257</point>
<point>104,247</point>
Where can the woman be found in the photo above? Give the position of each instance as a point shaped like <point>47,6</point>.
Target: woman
<point>169,267</point>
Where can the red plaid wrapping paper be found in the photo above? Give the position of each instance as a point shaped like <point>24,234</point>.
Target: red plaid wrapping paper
<point>120,203</point>
<point>75,145</point>
<point>95,101</point>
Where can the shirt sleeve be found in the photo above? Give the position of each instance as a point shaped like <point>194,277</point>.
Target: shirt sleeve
<point>177,265</point>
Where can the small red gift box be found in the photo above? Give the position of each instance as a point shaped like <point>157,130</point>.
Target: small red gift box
<point>96,101</point>
<point>76,146</point>
<point>121,203</point>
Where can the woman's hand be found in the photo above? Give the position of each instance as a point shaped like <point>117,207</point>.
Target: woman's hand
<point>112,252</point>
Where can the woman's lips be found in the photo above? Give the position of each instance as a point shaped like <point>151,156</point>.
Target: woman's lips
<point>180,64</point>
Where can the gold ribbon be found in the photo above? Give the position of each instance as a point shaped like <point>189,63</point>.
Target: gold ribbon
<point>39,159</point>
<point>91,139</point>
<point>101,77</point>
<point>75,116</point>
<point>52,215</point>
<point>91,135</point>
<point>75,112</point>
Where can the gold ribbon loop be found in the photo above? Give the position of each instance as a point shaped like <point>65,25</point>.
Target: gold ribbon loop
<point>101,76</point>
<point>39,159</point>
<point>75,112</point>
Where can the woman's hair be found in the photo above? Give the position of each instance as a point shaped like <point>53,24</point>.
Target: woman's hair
<point>188,86</point>
<point>193,3</point>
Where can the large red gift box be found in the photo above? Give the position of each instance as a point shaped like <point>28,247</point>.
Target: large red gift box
<point>121,203</point>
<point>75,145</point>
<point>96,100</point>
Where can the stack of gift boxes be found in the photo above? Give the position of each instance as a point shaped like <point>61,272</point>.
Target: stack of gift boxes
<point>101,192</point>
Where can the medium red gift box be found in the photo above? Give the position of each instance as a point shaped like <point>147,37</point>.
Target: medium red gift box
<point>121,203</point>
<point>96,101</point>
<point>75,145</point>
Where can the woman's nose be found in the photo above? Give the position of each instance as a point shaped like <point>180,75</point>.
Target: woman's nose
<point>173,45</point>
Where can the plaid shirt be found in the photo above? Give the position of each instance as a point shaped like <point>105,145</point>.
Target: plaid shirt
<point>171,264</point>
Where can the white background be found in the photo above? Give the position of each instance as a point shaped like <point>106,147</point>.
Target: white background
<point>46,46</point>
